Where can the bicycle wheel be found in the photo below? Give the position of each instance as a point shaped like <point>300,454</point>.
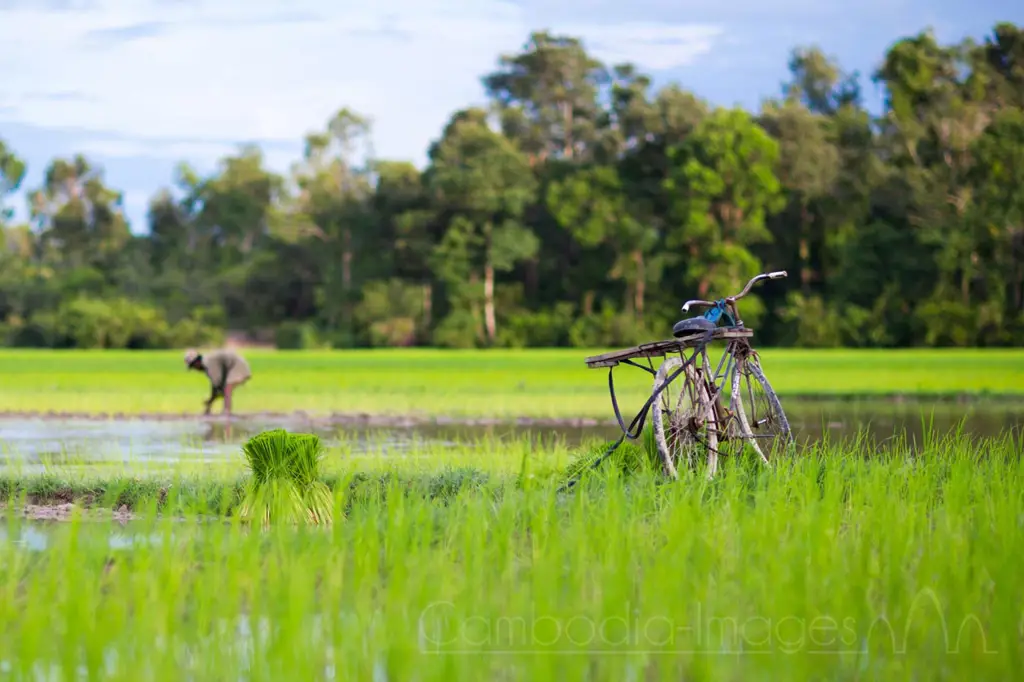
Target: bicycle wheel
<point>728,422</point>
<point>680,429</point>
<point>760,414</point>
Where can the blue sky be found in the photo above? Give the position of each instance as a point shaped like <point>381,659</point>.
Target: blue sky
<point>138,85</point>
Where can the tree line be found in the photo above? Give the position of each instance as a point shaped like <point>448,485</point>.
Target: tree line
<point>580,208</point>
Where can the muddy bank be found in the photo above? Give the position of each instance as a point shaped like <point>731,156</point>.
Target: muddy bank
<point>366,419</point>
<point>63,511</point>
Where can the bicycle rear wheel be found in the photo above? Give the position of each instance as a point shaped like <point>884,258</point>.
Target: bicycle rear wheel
<point>680,425</point>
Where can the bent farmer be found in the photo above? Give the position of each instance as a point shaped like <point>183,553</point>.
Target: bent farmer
<point>226,370</point>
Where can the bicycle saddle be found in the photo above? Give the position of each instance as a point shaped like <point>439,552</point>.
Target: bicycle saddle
<point>692,325</point>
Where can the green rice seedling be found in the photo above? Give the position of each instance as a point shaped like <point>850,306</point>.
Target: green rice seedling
<point>285,482</point>
<point>267,456</point>
<point>630,458</point>
<point>845,563</point>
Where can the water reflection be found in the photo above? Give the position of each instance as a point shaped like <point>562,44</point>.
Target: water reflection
<point>35,442</point>
<point>36,535</point>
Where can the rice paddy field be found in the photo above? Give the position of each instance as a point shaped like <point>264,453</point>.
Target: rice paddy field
<point>503,384</point>
<point>887,547</point>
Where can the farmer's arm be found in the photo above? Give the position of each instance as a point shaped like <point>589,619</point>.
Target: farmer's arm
<point>214,392</point>
<point>208,403</point>
<point>218,374</point>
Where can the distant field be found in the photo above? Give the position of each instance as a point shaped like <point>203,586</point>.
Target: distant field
<point>533,383</point>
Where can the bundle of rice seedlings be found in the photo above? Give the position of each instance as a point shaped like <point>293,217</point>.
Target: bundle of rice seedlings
<point>285,484</point>
<point>306,453</point>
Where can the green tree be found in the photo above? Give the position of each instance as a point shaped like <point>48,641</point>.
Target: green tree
<point>601,204</point>
<point>997,183</point>
<point>482,184</point>
<point>807,169</point>
<point>819,83</point>
<point>12,172</point>
<point>233,212</point>
<point>80,219</point>
<point>334,196</point>
<point>1001,61</point>
<point>592,205</point>
<point>408,230</point>
<point>723,185</point>
<point>547,95</point>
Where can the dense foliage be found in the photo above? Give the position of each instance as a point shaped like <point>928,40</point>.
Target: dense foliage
<point>581,209</point>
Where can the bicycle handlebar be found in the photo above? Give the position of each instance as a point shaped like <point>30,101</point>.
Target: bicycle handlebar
<point>696,301</point>
<point>778,274</point>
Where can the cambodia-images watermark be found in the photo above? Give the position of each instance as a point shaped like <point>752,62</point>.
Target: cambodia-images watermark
<point>442,628</point>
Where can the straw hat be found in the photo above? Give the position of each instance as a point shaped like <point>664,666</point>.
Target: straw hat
<point>190,356</point>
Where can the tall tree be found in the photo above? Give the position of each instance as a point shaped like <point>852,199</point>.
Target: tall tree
<point>724,186</point>
<point>934,116</point>
<point>808,167</point>
<point>548,96</point>
<point>334,193</point>
<point>819,83</point>
<point>12,172</point>
<point>1002,57</point>
<point>997,183</point>
<point>592,205</point>
<point>79,215</point>
<point>408,229</point>
<point>482,185</point>
<point>233,213</point>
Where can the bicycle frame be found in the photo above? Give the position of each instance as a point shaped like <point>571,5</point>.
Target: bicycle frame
<point>736,348</point>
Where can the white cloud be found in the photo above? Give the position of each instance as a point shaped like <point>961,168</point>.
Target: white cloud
<point>237,70</point>
<point>655,46</point>
<point>201,155</point>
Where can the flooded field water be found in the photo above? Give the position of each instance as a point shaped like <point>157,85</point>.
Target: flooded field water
<point>32,441</point>
<point>34,444</point>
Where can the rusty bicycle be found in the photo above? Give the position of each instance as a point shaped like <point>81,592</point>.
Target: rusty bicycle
<point>716,410</point>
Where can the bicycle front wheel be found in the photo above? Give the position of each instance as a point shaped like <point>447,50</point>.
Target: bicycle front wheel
<point>757,406</point>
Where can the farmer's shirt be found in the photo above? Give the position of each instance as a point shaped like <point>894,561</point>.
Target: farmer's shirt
<point>225,367</point>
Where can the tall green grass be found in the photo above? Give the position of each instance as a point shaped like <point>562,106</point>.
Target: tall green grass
<point>844,563</point>
<point>500,383</point>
